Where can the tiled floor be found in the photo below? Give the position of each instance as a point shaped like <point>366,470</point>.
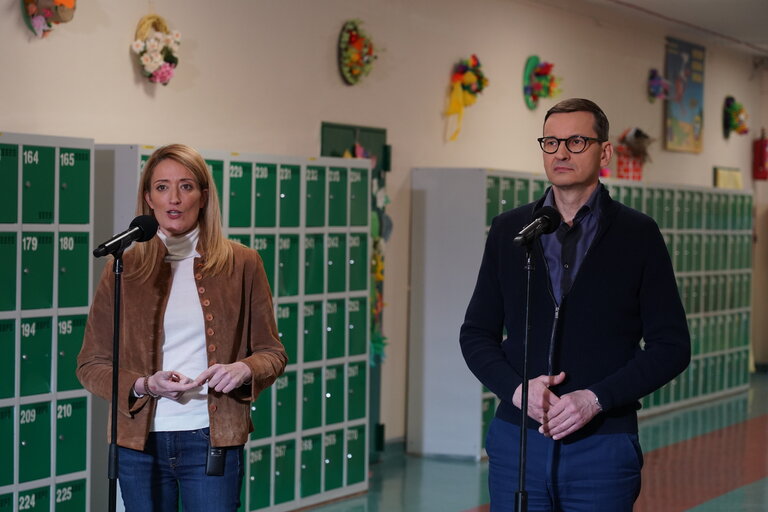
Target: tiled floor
<point>709,458</point>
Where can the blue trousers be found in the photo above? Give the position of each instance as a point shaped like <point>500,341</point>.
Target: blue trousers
<point>600,473</point>
<point>150,480</point>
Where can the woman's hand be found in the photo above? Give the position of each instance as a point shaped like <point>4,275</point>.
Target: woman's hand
<point>225,377</point>
<point>168,384</point>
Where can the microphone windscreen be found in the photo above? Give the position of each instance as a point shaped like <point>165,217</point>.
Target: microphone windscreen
<point>551,215</point>
<point>148,226</point>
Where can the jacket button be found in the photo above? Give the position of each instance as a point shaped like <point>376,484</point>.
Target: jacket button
<point>211,348</point>
<point>212,408</point>
<point>206,302</point>
<point>198,276</point>
<point>201,290</point>
<point>209,332</point>
<point>209,317</point>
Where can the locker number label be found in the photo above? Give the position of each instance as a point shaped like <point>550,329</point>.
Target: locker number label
<point>260,244</point>
<point>285,174</point>
<point>67,243</point>
<point>280,451</point>
<point>31,157</point>
<point>29,243</point>
<point>283,312</point>
<point>284,244</point>
<point>28,329</point>
<point>67,160</point>
<point>63,411</point>
<point>235,171</point>
<point>27,416</point>
<point>309,378</point>
<point>309,310</point>
<point>334,176</point>
<point>261,172</point>
<point>65,327</point>
<point>63,494</point>
<point>27,502</point>
<point>307,445</point>
<point>256,456</point>
<point>313,175</point>
<point>281,382</point>
<point>354,306</point>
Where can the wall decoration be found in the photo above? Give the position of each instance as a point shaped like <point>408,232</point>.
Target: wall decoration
<point>467,81</point>
<point>632,153</point>
<point>685,103</point>
<point>538,81</point>
<point>728,178</point>
<point>356,52</point>
<point>658,86</point>
<point>734,117</point>
<point>41,15</point>
<point>157,48</point>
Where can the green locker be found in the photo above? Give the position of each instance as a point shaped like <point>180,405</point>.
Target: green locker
<point>243,239</point>
<point>217,172</point>
<point>693,329</point>
<point>285,403</point>
<point>7,359</point>
<point>265,202</point>
<point>285,471</point>
<point>314,264</point>
<point>697,213</point>
<point>35,500</point>
<point>334,328</point>
<point>539,187</point>
<point>356,454</point>
<point>35,366</point>
<point>359,191</point>
<point>333,445</point>
<point>261,415</point>
<point>507,199</point>
<point>337,196</point>
<point>74,186</point>
<point>34,441</point>
<point>260,461</point>
<point>74,254</point>
<point>70,331</point>
<point>71,496</point>
<point>38,171</point>
<point>313,331</point>
<point>9,184</point>
<point>696,252</point>
<point>6,446</point>
<point>8,269</point>
<point>334,394</point>
<point>290,184</point>
<point>71,428</point>
<point>668,202</point>
<point>637,199</point>
<point>312,401</point>
<point>522,191</point>
<point>265,246</point>
<point>311,465</point>
<point>337,257</point>
<point>492,190</point>
<point>37,270</point>
<point>288,265</point>
<point>288,328</point>
<point>682,208</point>
<point>358,261</point>
<point>356,390</point>
<point>669,241</point>
<point>358,325</point>
<point>240,194</point>
<point>315,196</point>
<point>489,411</point>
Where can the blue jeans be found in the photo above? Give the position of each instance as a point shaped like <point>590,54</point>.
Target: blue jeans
<point>596,474</point>
<point>150,480</point>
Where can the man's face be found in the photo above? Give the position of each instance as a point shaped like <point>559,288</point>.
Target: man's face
<point>567,170</point>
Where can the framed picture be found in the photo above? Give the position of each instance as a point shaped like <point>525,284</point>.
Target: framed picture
<point>684,112</point>
<point>728,177</point>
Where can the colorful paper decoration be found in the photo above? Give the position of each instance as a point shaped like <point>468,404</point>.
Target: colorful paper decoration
<point>632,153</point>
<point>538,81</point>
<point>156,47</point>
<point>41,15</point>
<point>467,81</point>
<point>734,117</point>
<point>658,86</point>
<point>356,52</point>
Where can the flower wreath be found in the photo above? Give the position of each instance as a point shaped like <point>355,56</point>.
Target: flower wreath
<point>734,117</point>
<point>41,15</point>
<point>156,47</point>
<point>467,81</point>
<point>356,53</point>
<point>538,81</point>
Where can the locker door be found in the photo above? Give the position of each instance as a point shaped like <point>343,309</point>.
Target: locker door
<point>337,196</point>
<point>71,496</point>
<point>37,270</point>
<point>358,325</point>
<point>337,258</point>
<point>38,170</point>
<point>7,359</point>
<point>35,500</point>
<point>74,186</point>
<point>240,194</point>
<point>358,261</point>
<point>261,415</point>
<point>313,331</point>
<point>356,454</point>
<point>266,195</point>
<point>315,198</point>
<point>359,191</point>
<point>522,191</point>
<point>217,172</point>
<point>333,447</point>
<point>70,331</point>
<point>74,253</point>
<point>71,428</point>
<point>539,187</point>
<point>288,328</point>
<point>314,264</point>
<point>492,187</point>
<point>312,401</point>
<point>334,328</point>
<point>290,181</point>
<point>285,403</point>
<point>265,245</point>
<point>356,390</point>
<point>288,266</point>
<point>6,446</point>
<point>9,184</point>
<point>34,441</point>
<point>35,363</point>
<point>311,465</point>
<point>260,460</point>
<point>285,471</point>
<point>240,238</point>
<point>8,269</point>
<point>507,196</point>
<point>489,411</point>
<point>334,394</point>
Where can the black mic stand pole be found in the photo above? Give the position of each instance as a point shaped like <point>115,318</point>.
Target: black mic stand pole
<point>521,496</point>
<point>112,464</point>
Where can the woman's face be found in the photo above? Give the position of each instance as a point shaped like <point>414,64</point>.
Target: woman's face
<point>175,197</point>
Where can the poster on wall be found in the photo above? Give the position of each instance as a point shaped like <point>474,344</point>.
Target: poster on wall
<point>684,113</point>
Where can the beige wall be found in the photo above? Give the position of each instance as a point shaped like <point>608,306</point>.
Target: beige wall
<point>259,75</point>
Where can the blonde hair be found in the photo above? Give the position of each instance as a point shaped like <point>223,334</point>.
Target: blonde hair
<point>214,246</point>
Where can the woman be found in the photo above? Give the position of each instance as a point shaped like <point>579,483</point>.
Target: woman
<point>198,344</point>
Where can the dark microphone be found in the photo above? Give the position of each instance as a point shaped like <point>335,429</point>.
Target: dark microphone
<point>545,220</point>
<point>142,228</point>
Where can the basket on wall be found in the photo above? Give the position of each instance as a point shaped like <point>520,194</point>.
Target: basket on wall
<point>156,47</point>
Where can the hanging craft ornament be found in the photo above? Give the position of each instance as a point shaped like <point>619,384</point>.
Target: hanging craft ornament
<point>356,52</point>
<point>467,81</point>
<point>734,117</point>
<point>658,86</point>
<point>41,15</point>
<point>539,82</point>
<point>157,48</point>
<point>632,153</point>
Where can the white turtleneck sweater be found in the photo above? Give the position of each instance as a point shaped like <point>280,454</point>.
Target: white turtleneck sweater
<point>184,342</point>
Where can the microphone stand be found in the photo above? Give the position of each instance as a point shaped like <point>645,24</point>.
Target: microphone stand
<point>521,495</point>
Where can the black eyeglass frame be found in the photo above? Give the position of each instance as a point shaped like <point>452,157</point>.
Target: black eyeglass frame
<point>572,137</point>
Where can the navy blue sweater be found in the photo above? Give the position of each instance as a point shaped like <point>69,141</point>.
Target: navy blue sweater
<point>625,291</point>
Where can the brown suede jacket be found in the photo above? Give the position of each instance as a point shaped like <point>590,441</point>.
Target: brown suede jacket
<point>239,326</point>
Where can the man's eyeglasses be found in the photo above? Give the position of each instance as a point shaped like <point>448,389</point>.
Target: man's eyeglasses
<point>574,143</point>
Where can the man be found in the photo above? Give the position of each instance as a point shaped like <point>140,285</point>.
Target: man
<point>602,282</point>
